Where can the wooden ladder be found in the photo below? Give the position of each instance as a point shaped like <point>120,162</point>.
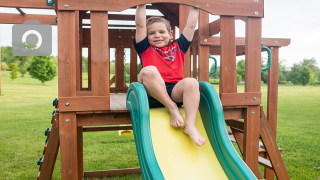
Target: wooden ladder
<point>50,150</point>
<point>270,150</point>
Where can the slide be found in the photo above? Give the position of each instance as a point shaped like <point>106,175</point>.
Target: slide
<point>165,152</point>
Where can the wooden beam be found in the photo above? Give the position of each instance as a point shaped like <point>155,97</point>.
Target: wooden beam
<point>228,64</point>
<point>68,146</point>
<point>225,7</point>
<point>109,128</point>
<point>183,15</point>
<point>251,138</point>
<point>100,56</point>
<point>66,56</point>
<point>97,119</point>
<point>119,72</point>
<point>7,18</point>
<point>84,103</point>
<point>35,4</point>
<point>240,99</point>
<point>203,51</point>
<point>272,99</point>
<point>133,65</point>
<point>273,42</point>
<point>270,144</point>
<point>112,172</point>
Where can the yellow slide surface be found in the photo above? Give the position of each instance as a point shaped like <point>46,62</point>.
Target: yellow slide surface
<point>177,155</point>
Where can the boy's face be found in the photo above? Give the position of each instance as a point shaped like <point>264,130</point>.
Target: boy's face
<point>158,34</point>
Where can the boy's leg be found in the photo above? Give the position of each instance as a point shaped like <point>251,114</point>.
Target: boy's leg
<point>151,79</point>
<point>187,90</point>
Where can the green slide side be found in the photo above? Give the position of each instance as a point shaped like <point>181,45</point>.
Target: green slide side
<point>211,112</point>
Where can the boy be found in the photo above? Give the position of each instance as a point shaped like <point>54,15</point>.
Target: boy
<point>162,69</point>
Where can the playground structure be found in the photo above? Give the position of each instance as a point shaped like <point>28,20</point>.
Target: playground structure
<point>98,104</point>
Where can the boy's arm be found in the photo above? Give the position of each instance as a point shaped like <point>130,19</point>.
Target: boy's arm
<point>140,19</point>
<point>188,31</point>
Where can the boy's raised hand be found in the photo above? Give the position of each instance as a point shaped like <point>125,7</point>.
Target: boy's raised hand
<point>193,16</point>
<point>140,19</point>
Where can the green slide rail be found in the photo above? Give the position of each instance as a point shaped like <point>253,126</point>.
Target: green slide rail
<point>211,112</point>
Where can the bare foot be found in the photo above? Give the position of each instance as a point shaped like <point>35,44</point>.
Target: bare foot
<point>195,135</point>
<point>176,118</point>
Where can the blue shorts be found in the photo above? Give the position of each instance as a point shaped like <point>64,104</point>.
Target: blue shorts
<point>153,103</point>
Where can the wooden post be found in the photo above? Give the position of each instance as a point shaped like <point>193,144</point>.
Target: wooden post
<point>194,62</point>
<point>119,68</point>
<point>133,65</point>
<point>228,65</point>
<point>252,84</point>
<point>183,16</point>
<point>100,54</point>
<point>67,88</point>
<point>203,58</point>
<point>272,102</point>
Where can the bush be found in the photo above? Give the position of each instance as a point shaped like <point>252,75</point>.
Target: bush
<point>214,81</point>
<point>4,66</point>
<point>42,68</point>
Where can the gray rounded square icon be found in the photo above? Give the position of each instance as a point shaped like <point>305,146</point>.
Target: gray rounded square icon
<point>33,33</point>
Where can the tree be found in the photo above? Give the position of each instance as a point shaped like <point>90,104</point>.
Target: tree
<point>42,68</point>
<point>241,68</point>
<point>304,75</point>
<point>312,79</point>
<point>239,78</point>
<point>14,74</point>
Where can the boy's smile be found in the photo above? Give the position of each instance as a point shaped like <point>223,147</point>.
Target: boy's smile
<point>158,34</point>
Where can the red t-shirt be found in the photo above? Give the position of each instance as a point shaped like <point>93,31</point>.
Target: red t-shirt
<point>168,60</point>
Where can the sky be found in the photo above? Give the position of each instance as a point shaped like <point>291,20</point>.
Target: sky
<point>296,20</point>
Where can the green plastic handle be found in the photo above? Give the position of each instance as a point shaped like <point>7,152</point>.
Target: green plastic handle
<point>215,65</point>
<point>39,161</point>
<point>269,58</point>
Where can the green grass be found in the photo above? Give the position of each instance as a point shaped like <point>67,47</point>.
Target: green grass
<point>25,113</point>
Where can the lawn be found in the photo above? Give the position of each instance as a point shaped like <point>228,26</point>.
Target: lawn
<point>25,113</point>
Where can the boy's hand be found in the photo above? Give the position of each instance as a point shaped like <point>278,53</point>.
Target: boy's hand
<point>140,19</point>
<point>188,31</point>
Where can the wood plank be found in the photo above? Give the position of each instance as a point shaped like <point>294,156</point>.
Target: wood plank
<point>240,99</point>
<point>66,54</point>
<point>78,51</point>
<point>35,4</point>
<point>7,18</point>
<point>112,80</point>
<point>183,16</point>
<point>100,55</point>
<point>240,41</point>
<point>236,124</point>
<point>225,7</point>
<point>84,103</point>
<point>265,162</point>
<point>233,113</point>
<point>194,62</point>
<point>203,51</point>
<point>270,144</point>
<point>109,128</point>
<point>113,172</point>
<point>251,138</point>
<point>119,72</point>
<point>114,90</point>
<point>97,119</point>
<point>214,27</point>
<point>253,55</point>
<point>133,65</point>
<point>272,99</point>
<point>68,146</point>
<point>50,154</point>
<point>80,150</point>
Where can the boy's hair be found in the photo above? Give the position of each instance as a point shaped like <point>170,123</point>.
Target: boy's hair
<point>152,20</point>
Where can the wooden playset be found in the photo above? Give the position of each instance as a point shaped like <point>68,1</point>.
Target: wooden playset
<point>79,108</point>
